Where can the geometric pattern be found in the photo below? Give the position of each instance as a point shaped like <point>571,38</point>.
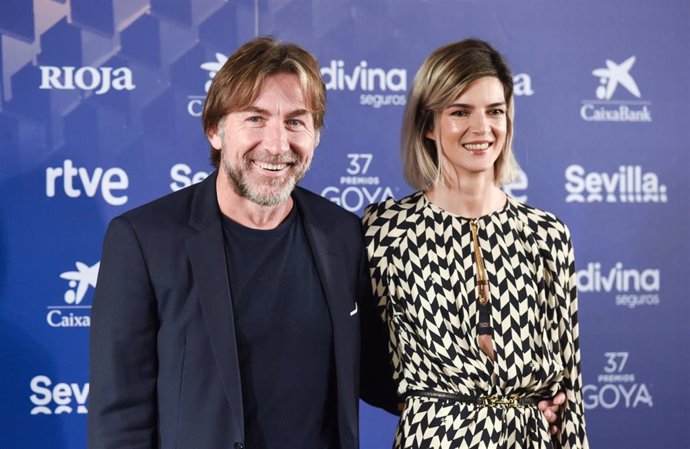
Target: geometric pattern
<point>422,268</point>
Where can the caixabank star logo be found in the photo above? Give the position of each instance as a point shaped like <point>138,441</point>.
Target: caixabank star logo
<point>611,105</point>
<point>73,312</point>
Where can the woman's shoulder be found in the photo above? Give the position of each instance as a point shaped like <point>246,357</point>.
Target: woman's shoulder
<point>546,224</point>
<point>390,209</point>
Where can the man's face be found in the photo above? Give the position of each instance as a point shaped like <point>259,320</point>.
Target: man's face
<point>267,147</point>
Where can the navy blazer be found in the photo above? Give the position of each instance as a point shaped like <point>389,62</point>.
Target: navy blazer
<point>163,356</point>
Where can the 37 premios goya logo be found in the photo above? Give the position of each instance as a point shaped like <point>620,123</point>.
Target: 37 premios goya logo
<point>610,104</point>
<point>72,312</point>
<point>616,386</point>
<point>358,188</point>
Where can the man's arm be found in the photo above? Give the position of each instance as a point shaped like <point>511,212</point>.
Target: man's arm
<point>123,361</point>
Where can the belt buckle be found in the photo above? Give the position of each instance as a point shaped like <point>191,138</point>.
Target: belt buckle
<point>495,401</point>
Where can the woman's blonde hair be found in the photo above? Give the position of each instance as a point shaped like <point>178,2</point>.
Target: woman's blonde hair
<point>442,78</point>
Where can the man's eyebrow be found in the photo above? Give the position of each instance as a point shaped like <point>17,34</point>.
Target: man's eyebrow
<point>469,106</point>
<point>291,114</point>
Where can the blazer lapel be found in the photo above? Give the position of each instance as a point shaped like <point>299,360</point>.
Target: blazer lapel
<point>207,257</point>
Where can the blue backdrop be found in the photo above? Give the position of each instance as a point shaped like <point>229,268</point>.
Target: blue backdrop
<point>99,112</point>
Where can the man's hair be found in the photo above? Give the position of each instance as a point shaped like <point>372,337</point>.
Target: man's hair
<point>239,82</point>
<point>444,76</point>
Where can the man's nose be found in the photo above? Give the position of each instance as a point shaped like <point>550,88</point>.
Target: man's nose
<point>276,137</point>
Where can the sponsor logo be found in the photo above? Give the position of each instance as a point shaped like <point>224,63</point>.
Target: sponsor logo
<point>183,176</point>
<point>76,181</point>
<point>615,387</point>
<point>516,189</point>
<point>629,185</point>
<point>605,108</point>
<point>97,79</point>
<point>373,82</point>
<point>357,187</point>
<point>50,398</point>
<point>522,85</point>
<point>630,287</point>
<point>73,313</point>
<point>195,103</point>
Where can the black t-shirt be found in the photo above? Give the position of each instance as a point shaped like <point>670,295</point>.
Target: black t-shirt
<point>284,337</point>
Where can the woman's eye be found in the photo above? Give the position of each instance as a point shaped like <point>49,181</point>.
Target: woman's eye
<point>459,113</point>
<point>497,112</point>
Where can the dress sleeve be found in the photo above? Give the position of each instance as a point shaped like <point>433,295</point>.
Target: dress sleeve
<point>571,428</point>
<point>377,385</point>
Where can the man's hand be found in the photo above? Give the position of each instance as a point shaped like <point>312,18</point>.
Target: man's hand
<point>549,407</point>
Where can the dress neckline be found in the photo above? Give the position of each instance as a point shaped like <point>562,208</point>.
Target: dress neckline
<point>424,201</point>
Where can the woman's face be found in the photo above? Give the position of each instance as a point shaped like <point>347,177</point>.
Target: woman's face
<point>473,129</point>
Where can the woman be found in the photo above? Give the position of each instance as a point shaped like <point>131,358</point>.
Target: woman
<point>477,289</point>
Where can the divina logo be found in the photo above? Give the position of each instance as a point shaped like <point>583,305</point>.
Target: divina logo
<point>604,109</point>
<point>629,185</point>
<point>72,313</point>
<point>100,80</point>
<point>49,398</point>
<point>362,78</point>
<point>632,287</point>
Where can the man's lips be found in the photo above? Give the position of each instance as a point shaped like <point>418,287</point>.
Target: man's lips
<point>274,167</point>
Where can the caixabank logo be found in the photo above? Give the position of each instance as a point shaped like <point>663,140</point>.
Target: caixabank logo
<point>98,80</point>
<point>629,184</point>
<point>611,105</point>
<point>195,103</point>
<point>617,386</point>
<point>625,286</point>
<point>72,312</point>
<point>49,397</point>
<point>358,187</point>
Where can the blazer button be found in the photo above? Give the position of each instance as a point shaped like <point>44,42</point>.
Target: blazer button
<point>238,445</point>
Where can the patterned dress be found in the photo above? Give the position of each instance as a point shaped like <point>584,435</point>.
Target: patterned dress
<point>423,271</point>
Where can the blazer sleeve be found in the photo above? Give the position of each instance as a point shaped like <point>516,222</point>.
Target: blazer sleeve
<point>571,429</point>
<point>123,362</point>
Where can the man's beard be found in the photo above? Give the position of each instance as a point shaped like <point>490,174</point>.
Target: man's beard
<point>261,190</point>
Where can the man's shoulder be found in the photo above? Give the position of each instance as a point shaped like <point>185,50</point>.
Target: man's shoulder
<point>322,209</point>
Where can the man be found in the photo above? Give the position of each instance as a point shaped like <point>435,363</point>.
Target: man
<point>227,315</point>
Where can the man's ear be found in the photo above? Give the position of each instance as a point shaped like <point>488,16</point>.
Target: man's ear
<point>215,139</point>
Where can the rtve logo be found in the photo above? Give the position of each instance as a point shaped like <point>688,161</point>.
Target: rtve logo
<point>100,80</point>
<point>51,398</point>
<point>77,180</point>
<point>604,109</point>
<point>629,185</point>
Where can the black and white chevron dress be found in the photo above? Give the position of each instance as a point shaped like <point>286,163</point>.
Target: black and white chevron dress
<point>423,273</point>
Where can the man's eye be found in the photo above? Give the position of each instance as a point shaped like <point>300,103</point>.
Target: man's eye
<point>294,123</point>
<point>255,119</point>
<point>497,112</point>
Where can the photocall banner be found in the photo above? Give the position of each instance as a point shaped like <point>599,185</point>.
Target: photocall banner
<point>100,105</point>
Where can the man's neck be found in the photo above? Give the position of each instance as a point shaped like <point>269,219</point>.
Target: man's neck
<point>246,212</point>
